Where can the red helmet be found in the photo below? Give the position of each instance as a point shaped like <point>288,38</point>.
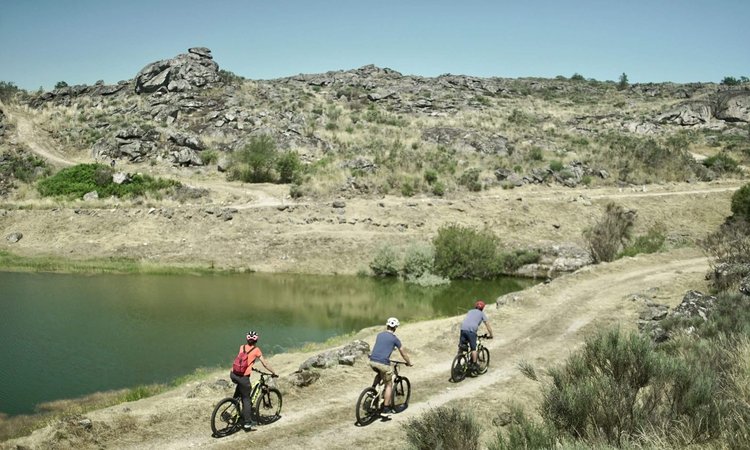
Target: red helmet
<point>479,305</point>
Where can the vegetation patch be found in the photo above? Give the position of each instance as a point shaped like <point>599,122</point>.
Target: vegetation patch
<point>74,182</point>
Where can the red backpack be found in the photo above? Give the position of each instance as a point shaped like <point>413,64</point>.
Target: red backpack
<point>241,362</point>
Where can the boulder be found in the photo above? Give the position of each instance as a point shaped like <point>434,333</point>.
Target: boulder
<point>187,140</point>
<point>302,378</point>
<point>89,196</point>
<point>734,107</point>
<point>688,113</point>
<point>343,355</point>
<point>120,177</point>
<point>14,237</point>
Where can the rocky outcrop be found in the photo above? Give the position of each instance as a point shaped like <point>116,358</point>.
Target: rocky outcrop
<point>132,143</point>
<point>458,138</point>
<point>689,113</point>
<point>745,286</point>
<point>556,260</point>
<point>14,237</point>
<point>195,69</point>
<point>734,106</point>
<point>343,355</point>
<point>694,304</point>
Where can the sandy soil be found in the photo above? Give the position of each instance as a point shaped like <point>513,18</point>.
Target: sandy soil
<point>270,232</point>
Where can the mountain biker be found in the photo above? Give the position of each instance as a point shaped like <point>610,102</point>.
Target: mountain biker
<point>242,380</point>
<point>380,360</point>
<point>469,327</point>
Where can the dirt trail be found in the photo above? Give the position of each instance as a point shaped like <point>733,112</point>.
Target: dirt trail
<point>541,326</point>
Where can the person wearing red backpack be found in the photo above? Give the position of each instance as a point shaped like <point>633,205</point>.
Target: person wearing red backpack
<point>242,368</point>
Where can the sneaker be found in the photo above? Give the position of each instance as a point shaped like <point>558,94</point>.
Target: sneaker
<point>247,426</point>
<point>387,410</point>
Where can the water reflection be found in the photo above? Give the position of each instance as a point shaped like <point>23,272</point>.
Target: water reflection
<point>69,335</point>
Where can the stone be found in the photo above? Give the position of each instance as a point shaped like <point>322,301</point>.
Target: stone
<point>193,70</point>
<point>14,237</point>
<point>342,355</point>
<point>120,177</point>
<point>90,196</point>
<point>303,378</point>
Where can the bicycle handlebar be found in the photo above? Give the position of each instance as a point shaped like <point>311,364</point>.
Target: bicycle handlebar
<point>272,375</point>
<point>484,336</point>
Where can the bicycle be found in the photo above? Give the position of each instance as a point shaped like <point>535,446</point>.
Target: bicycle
<point>460,367</point>
<point>266,407</point>
<point>370,401</point>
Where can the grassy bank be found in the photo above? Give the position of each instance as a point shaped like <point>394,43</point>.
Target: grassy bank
<point>16,263</point>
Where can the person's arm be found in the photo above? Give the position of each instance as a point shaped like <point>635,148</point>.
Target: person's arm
<point>267,366</point>
<point>489,329</point>
<point>405,356</point>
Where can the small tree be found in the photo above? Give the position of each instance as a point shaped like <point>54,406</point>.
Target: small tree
<point>730,81</point>
<point>288,165</point>
<point>623,84</point>
<point>608,235</point>
<point>61,84</point>
<point>255,162</point>
<point>741,202</point>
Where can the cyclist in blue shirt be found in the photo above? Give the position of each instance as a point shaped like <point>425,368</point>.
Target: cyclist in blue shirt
<point>469,328</point>
<point>380,358</point>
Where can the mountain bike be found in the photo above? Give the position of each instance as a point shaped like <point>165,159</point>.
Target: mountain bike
<point>266,407</point>
<point>370,401</point>
<point>461,366</point>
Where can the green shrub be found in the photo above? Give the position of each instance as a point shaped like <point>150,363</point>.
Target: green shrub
<point>741,202</point>
<point>8,90</point>
<point>430,176</point>
<point>536,154</point>
<point>470,179</point>
<point>418,260</point>
<point>23,166</point>
<point>209,156</point>
<point>610,233</point>
<point>729,253</point>
<point>463,252</point>
<point>721,163</point>
<point>438,189</point>
<point>510,262</point>
<point>555,165</point>
<point>289,167</point>
<point>651,242</point>
<point>78,180</point>
<point>254,163</point>
<point>524,433</point>
<point>385,263</point>
<point>443,428</point>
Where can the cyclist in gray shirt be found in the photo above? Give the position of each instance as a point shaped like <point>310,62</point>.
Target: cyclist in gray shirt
<point>469,328</point>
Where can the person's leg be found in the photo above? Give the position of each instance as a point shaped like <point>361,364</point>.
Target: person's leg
<point>388,392</point>
<point>243,385</point>
<point>472,345</point>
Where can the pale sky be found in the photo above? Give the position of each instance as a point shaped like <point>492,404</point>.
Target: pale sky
<point>82,41</point>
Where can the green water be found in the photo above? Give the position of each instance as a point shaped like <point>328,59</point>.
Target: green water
<point>65,336</point>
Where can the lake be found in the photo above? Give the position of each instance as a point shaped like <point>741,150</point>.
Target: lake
<point>68,335</point>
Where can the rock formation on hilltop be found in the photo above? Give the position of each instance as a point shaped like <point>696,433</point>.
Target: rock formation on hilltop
<point>184,72</point>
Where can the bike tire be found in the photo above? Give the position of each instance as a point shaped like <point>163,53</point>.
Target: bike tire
<point>401,394</point>
<point>267,407</point>
<point>459,368</point>
<point>368,408</point>
<point>483,360</point>
<point>226,417</point>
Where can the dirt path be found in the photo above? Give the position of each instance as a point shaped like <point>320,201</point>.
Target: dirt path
<point>541,326</point>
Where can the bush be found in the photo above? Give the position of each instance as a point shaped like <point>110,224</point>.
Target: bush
<point>418,260</point>
<point>254,163</point>
<point>741,202</point>
<point>651,242</point>
<point>470,180</point>
<point>78,180</point>
<point>524,433</point>
<point>385,263</point>
<point>430,176</point>
<point>289,167</point>
<point>510,262</point>
<point>610,233</point>
<point>23,166</point>
<point>443,428</point>
<point>8,90</point>
<point>555,165</point>
<point>728,250</point>
<point>463,252</point>
<point>209,156</point>
<point>721,163</point>
<point>438,189</point>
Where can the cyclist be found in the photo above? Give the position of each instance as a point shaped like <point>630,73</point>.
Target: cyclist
<point>380,358</point>
<point>242,380</point>
<point>469,327</point>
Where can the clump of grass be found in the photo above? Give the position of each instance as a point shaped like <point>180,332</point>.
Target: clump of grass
<point>443,427</point>
<point>651,242</point>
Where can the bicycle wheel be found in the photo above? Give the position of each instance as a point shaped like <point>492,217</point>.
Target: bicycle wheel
<point>267,408</point>
<point>226,417</point>
<point>401,394</point>
<point>367,406</point>
<point>483,360</point>
<point>458,368</point>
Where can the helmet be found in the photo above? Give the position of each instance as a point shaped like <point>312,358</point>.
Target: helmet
<point>252,336</point>
<point>392,322</point>
<point>479,305</point>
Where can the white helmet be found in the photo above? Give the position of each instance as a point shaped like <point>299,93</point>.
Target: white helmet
<point>392,322</point>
